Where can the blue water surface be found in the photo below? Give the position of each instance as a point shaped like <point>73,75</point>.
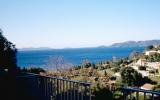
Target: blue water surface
<point>38,58</point>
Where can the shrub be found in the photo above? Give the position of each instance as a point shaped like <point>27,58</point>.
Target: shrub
<point>112,78</point>
<point>33,70</point>
<point>101,92</point>
<point>142,68</point>
<point>131,77</point>
<point>157,87</point>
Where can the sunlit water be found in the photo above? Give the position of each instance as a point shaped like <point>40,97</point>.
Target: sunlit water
<point>75,56</point>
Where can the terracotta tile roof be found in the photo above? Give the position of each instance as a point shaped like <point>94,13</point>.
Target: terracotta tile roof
<point>147,86</point>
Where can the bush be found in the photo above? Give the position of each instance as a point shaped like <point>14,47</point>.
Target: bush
<point>148,80</point>
<point>142,68</point>
<point>157,87</point>
<point>101,93</point>
<point>131,77</point>
<point>150,47</point>
<point>152,72</point>
<point>33,70</point>
<point>112,78</point>
<point>117,95</point>
<point>153,58</point>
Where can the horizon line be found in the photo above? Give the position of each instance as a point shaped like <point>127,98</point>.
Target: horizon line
<point>43,47</point>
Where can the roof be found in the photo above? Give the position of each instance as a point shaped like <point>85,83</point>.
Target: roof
<point>147,86</point>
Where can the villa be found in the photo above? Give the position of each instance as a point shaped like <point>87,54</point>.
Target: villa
<point>147,86</point>
<point>151,52</point>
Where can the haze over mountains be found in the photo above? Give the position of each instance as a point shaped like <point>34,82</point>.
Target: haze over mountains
<point>122,44</point>
<point>32,48</point>
<point>136,43</point>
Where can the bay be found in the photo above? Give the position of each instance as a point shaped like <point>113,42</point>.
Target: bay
<point>38,58</point>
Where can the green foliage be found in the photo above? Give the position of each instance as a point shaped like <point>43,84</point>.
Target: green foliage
<point>112,78</point>
<point>33,70</point>
<point>105,73</point>
<point>148,80</point>
<point>157,87</point>
<point>8,68</point>
<point>115,69</point>
<point>86,63</point>
<point>7,55</point>
<point>153,58</point>
<point>101,92</point>
<point>131,77</point>
<point>117,94</point>
<point>150,47</point>
<point>152,72</point>
<point>142,68</point>
<point>115,66</point>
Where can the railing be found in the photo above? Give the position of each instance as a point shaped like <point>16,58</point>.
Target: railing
<point>139,94</point>
<point>36,87</point>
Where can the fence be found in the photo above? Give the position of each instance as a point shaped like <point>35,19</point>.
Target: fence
<point>139,94</point>
<point>36,87</point>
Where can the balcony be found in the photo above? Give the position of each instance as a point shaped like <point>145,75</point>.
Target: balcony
<point>36,87</point>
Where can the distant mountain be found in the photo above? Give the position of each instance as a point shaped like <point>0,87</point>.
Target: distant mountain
<point>31,49</point>
<point>122,44</point>
<point>102,46</point>
<point>136,43</point>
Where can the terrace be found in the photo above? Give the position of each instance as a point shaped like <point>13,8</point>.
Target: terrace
<point>36,87</point>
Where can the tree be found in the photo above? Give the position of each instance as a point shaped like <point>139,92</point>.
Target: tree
<point>86,63</point>
<point>153,58</point>
<point>100,92</point>
<point>57,63</point>
<point>8,52</point>
<point>142,68</point>
<point>150,47</point>
<point>33,70</point>
<point>131,77</point>
<point>8,64</point>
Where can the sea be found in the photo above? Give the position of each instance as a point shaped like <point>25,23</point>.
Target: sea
<point>38,58</point>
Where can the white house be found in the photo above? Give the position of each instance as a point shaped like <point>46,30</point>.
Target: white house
<point>150,52</point>
<point>153,65</point>
<point>144,73</point>
<point>117,74</point>
<point>141,62</point>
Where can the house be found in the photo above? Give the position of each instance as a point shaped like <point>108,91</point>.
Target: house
<point>151,52</point>
<point>117,74</point>
<point>153,65</point>
<point>144,73</point>
<point>141,62</point>
<point>147,86</point>
<point>135,67</point>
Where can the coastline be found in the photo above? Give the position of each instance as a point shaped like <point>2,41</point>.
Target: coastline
<point>75,56</point>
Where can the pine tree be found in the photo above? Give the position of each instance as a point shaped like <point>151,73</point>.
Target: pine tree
<point>8,52</point>
<point>8,66</point>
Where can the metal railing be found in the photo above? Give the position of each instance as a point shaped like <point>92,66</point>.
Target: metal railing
<point>36,87</point>
<point>139,94</point>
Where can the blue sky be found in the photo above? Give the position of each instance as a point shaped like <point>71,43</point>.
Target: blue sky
<point>78,23</point>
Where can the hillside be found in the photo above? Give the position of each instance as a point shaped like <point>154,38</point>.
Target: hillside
<point>136,43</point>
